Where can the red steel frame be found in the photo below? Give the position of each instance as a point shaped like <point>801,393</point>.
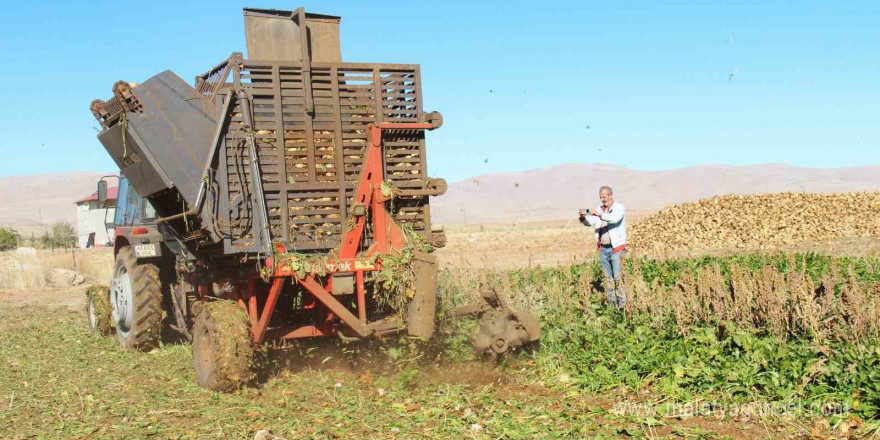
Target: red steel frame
<point>387,237</point>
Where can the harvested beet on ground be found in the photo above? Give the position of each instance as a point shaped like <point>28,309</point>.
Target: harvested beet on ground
<point>769,220</point>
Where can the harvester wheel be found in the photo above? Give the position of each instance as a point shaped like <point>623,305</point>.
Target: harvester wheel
<point>222,346</point>
<point>100,311</point>
<point>136,300</point>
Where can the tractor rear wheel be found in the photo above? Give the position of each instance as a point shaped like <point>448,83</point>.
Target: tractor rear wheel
<point>136,299</point>
<point>100,311</point>
<point>222,346</point>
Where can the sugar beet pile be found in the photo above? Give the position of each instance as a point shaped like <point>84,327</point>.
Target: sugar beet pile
<point>759,219</point>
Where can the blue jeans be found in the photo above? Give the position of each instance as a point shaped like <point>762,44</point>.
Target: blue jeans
<point>610,262</point>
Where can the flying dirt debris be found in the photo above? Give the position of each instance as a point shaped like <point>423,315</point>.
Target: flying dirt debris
<point>291,200</point>
<point>732,74</point>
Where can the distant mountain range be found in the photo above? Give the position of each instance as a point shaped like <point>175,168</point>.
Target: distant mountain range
<point>551,193</point>
<point>30,203</point>
<point>557,192</point>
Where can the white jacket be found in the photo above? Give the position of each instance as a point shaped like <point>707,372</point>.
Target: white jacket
<point>615,217</point>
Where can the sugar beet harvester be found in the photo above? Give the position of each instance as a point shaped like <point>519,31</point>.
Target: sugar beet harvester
<point>288,165</point>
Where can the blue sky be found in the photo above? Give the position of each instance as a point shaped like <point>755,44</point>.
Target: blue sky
<point>645,85</point>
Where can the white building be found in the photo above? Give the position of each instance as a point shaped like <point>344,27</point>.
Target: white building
<point>90,217</point>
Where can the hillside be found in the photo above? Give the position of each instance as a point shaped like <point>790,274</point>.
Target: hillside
<point>27,199</point>
<point>542,194</point>
<point>557,192</point>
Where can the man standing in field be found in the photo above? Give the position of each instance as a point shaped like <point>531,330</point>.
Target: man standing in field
<point>609,219</point>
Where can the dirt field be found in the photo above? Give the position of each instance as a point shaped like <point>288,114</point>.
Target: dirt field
<point>60,382</point>
<point>503,246</point>
<point>57,381</point>
<point>550,243</point>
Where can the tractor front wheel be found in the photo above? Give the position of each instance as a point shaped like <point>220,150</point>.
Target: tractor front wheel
<point>99,310</point>
<point>222,346</point>
<point>136,299</point>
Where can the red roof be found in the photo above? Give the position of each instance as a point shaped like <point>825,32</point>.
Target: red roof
<point>111,195</point>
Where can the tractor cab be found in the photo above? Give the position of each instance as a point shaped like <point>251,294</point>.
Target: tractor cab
<point>134,219</point>
<point>131,209</point>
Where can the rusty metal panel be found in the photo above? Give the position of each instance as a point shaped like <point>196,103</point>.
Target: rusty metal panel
<point>134,160</point>
<point>272,38</point>
<point>310,162</point>
<point>324,39</point>
<point>168,135</point>
<point>274,35</point>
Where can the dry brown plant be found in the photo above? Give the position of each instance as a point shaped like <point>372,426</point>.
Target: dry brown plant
<point>23,271</point>
<point>713,294</point>
<point>805,310</point>
<point>790,303</point>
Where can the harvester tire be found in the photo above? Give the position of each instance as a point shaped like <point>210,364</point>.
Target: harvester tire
<point>222,346</point>
<point>136,297</point>
<point>99,310</point>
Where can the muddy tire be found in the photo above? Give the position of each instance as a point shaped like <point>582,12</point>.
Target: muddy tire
<point>136,299</point>
<point>99,310</point>
<point>222,346</point>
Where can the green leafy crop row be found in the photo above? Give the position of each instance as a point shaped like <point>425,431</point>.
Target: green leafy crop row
<point>683,333</point>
